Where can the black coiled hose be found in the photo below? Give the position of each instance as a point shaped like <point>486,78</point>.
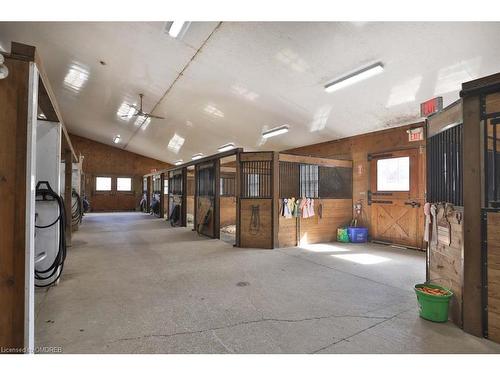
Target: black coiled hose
<point>47,194</point>
<point>76,209</point>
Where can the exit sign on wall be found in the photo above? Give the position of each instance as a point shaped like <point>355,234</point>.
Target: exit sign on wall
<point>431,106</point>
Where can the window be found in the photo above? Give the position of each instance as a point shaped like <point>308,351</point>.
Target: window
<point>124,184</point>
<point>393,174</point>
<point>103,183</point>
<point>165,186</point>
<point>309,181</point>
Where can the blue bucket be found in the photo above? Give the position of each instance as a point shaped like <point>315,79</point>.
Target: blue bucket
<point>358,234</point>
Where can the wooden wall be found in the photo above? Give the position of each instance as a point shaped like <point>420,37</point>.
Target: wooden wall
<point>227,211</point>
<point>13,148</point>
<point>493,272</point>
<point>446,262</point>
<point>357,148</point>
<point>104,160</point>
<point>263,238</point>
<point>300,231</point>
<point>204,206</point>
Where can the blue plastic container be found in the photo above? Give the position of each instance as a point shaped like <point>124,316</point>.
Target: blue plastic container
<point>358,234</point>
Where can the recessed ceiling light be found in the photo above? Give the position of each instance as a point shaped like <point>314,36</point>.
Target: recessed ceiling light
<point>117,139</point>
<point>355,77</point>
<point>226,147</point>
<point>175,143</point>
<point>275,131</point>
<point>178,162</point>
<point>76,78</point>
<point>197,156</point>
<point>177,29</point>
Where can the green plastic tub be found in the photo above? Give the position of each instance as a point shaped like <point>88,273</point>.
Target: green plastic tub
<point>342,235</point>
<point>433,308</point>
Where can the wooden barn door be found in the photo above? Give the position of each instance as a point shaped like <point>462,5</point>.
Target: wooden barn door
<point>396,196</point>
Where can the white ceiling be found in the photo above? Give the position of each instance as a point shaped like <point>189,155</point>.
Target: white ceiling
<point>253,76</point>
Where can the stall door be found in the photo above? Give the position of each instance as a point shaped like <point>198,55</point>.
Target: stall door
<point>396,197</point>
<point>205,179</point>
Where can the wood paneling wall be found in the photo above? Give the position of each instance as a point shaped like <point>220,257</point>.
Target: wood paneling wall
<point>13,148</point>
<point>104,160</point>
<point>263,236</point>
<point>357,148</point>
<point>493,272</point>
<point>446,262</point>
<point>227,211</point>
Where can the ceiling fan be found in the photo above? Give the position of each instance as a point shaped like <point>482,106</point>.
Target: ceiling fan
<point>139,112</point>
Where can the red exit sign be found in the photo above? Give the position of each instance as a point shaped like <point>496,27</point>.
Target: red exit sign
<point>431,106</point>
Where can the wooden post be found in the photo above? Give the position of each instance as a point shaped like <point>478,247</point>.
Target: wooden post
<point>217,199</point>
<point>195,198</point>
<point>184,198</point>
<point>237,193</point>
<point>162,197</point>
<point>13,187</point>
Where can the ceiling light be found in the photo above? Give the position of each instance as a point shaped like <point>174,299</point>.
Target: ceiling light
<point>178,162</point>
<point>226,147</point>
<point>42,116</point>
<point>177,29</point>
<point>76,78</point>
<point>175,143</point>
<point>197,156</point>
<point>117,139</point>
<point>357,76</point>
<point>275,131</point>
<point>146,123</point>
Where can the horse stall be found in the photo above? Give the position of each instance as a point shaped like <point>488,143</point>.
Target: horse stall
<point>287,200</point>
<point>190,192</point>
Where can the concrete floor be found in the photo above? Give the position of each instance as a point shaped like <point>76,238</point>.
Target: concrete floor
<point>133,284</point>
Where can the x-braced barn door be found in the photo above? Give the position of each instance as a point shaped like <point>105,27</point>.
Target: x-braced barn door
<point>396,197</point>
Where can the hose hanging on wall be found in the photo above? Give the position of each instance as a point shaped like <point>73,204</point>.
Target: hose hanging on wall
<point>76,209</point>
<point>48,195</point>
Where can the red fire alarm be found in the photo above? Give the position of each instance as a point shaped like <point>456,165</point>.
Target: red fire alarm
<point>431,106</point>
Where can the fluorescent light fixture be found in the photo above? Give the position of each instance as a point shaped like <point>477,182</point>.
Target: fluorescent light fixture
<point>355,77</point>
<point>117,139</point>
<point>275,131</point>
<point>178,162</point>
<point>177,29</point>
<point>197,156</point>
<point>142,121</point>
<point>226,147</point>
<point>175,143</point>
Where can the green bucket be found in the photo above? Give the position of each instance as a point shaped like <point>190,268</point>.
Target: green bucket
<point>342,235</point>
<point>433,308</point>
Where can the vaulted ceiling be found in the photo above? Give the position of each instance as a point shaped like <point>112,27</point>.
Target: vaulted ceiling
<point>227,82</point>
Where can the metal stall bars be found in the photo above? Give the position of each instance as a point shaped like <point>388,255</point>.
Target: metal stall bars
<point>205,198</point>
<point>444,166</point>
<point>176,196</point>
